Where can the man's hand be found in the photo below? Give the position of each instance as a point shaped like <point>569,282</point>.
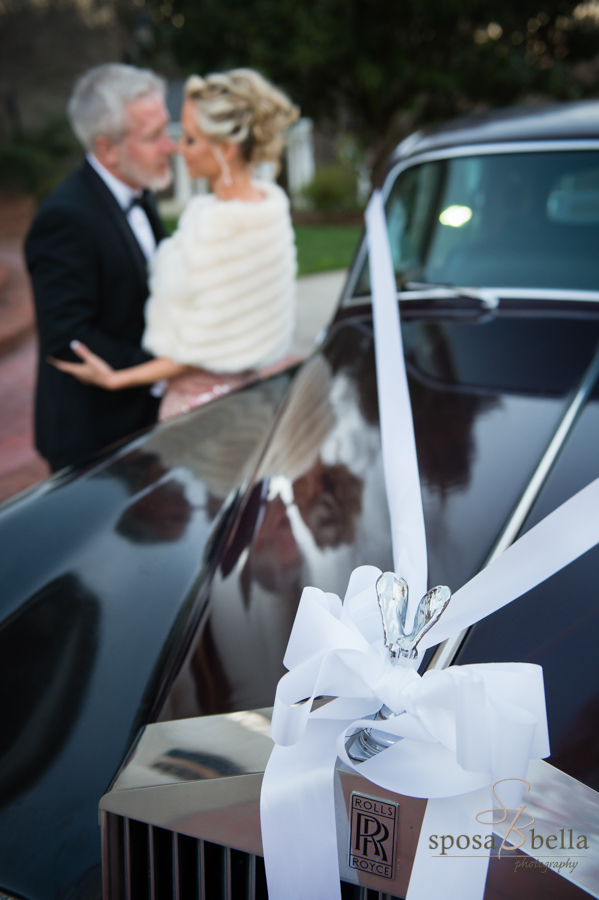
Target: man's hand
<point>93,369</point>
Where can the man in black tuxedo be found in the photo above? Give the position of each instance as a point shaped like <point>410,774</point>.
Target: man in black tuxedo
<point>88,252</point>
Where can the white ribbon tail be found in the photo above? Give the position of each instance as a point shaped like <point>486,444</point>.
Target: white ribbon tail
<point>297,812</point>
<point>400,462</point>
<point>560,538</point>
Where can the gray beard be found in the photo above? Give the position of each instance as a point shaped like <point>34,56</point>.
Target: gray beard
<point>132,172</point>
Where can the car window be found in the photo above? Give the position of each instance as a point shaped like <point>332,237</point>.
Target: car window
<point>575,198</point>
<point>528,220</point>
<point>526,355</point>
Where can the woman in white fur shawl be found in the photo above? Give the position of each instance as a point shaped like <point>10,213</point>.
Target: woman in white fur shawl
<point>222,288</point>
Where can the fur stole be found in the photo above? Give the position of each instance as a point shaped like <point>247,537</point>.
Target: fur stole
<point>222,288</point>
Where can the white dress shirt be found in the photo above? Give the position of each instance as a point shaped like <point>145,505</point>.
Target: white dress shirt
<point>140,226</point>
<point>136,216</point>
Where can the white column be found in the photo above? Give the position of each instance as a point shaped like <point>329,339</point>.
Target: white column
<point>300,157</point>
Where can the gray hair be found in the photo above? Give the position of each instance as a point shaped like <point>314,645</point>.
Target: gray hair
<point>98,103</point>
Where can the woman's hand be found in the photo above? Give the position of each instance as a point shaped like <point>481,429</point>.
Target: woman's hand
<point>93,369</point>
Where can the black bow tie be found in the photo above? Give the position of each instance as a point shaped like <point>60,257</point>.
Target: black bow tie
<point>142,200</point>
<point>146,202</point>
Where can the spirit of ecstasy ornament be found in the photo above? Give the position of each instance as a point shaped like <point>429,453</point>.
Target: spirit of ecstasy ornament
<point>392,593</point>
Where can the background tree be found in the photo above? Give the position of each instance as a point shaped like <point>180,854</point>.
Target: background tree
<point>381,68</point>
<point>43,47</point>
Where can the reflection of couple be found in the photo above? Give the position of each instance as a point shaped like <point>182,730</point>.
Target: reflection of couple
<point>221,289</point>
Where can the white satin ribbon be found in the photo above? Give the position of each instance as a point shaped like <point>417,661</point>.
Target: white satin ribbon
<point>458,730</point>
<point>463,727</point>
<point>400,463</point>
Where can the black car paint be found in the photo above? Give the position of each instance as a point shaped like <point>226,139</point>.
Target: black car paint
<point>128,550</point>
<point>127,619</point>
<point>131,592</point>
<point>558,622</point>
<point>516,125</point>
<point>100,573</point>
<point>478,446</point>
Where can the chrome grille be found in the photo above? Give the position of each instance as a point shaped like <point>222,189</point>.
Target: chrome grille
<point>144,862</point>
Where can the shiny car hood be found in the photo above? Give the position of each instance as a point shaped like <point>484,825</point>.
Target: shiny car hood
<point>101,571</point>
<point>485,408</point>
<point>163,583</point>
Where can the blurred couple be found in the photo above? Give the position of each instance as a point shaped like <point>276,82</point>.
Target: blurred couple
<point>124,313</point>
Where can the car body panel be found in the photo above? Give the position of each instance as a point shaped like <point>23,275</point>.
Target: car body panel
<point>202,778</point>
<point>518,125</point>
<point>559,619</point>
<point>100,572</point>
<point>478,447</point>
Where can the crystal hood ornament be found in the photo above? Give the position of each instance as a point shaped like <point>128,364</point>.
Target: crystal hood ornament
<point>392,592</point>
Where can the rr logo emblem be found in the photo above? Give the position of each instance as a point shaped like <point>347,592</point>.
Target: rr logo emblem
<point>372,835</point>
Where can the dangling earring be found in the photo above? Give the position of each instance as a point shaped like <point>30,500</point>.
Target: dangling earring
<point>224,166</point>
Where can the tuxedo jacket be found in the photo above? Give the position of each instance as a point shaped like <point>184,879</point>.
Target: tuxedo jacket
<point>90,284</point>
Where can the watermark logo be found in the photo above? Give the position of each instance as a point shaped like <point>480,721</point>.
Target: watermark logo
<point>518,835</point>
<point>503,811</point>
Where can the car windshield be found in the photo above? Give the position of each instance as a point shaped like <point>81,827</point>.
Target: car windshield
<point>520,220</point>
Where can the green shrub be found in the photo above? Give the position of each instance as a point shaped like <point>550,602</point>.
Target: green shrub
<point>170,223</point>
<point>32,163</point>
<point>333,189</point>
<point>56,139</point>
<point>26,170</point>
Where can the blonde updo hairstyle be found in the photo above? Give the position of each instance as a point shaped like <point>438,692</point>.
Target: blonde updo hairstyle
<point>242,107</point>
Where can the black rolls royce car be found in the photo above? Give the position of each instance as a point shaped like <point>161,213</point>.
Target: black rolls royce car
<point>147,598</point>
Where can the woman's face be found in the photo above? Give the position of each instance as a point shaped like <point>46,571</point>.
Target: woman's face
<point>197,149</point>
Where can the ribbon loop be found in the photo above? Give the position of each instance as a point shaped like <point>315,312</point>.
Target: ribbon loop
<point>475,712</point>
<point>453,732</point>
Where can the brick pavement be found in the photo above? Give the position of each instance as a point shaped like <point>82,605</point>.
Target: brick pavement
<point>20,465</point>
<point>16,306</point>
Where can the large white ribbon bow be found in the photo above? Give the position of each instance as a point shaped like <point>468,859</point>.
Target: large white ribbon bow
<point>462,728</point>
<point>456,732</point>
